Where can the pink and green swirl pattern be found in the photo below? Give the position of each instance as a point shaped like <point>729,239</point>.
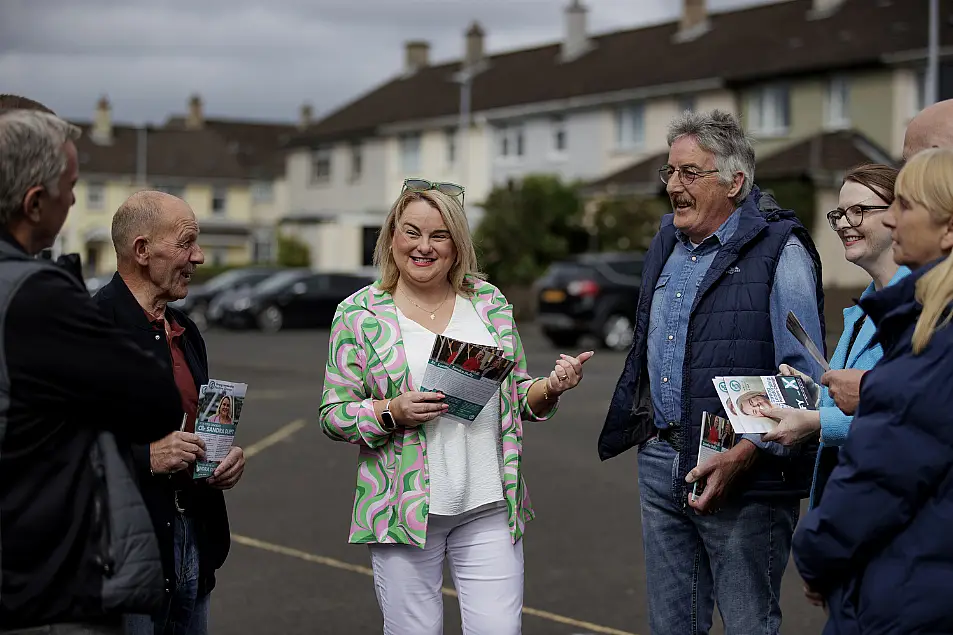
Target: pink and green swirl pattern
<point>366,361</point>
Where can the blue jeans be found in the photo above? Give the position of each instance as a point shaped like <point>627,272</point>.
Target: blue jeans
<point>184,613</point>
<point>736,556</point>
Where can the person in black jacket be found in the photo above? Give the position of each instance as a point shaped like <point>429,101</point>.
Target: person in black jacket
<point>156,241</point>
<point>66,376</point>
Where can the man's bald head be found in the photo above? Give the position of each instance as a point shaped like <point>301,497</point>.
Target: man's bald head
<point>931,128</point>
<point>142,214</point>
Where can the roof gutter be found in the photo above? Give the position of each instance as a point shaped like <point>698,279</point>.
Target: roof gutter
<point>914,55</point>
<point>583,102</point>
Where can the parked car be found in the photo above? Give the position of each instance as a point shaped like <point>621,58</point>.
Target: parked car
<point>96,283</point>
<point>592,294</point>
<point>291,298</point>
<point>199,301</point>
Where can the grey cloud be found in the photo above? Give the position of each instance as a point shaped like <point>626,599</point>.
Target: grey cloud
<point>257,58</point>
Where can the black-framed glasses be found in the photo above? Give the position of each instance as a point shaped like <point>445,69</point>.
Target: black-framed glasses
<point>423,185</point>
<point>686,175</point>
<point>854,214</point>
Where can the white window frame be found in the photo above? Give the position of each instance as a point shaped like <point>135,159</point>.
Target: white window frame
<point>95,196</point>
<point>410,153</point>
<point>837,103</point>
<point>511,142</point>
<point>321,165</point>
<point>687,102</point>
<point>450,145</point>
<point>560,136</point>
<point>219,204</point>
<point>357,161</point>
<point>769,110</point>
<point>630,127</point>
<point>262,192</point>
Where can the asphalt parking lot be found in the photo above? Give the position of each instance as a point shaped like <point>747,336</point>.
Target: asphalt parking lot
<point>291,571</point>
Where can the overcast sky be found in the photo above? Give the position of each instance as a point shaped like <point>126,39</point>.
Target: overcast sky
<point>259,59</point>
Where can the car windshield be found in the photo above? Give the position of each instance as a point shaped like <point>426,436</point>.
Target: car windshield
<point>280,280</point>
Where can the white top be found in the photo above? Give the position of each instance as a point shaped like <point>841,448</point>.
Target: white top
<point>465,460</point>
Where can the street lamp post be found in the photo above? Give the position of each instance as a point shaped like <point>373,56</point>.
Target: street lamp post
<point>465,77</point>
<point>931,89</point>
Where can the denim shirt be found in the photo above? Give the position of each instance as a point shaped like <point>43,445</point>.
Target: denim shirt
<point>793,290</point>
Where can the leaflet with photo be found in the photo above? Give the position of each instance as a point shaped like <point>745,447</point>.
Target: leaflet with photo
<point>745,398</point>
<point>220,406</point>
<point>469,375</point>
<point>717,436</point>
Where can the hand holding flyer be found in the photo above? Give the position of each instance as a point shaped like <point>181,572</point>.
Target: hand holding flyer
<point>469,375</point>
<point>220,406</point>
<point>717,436</point>
<point>746,398</point>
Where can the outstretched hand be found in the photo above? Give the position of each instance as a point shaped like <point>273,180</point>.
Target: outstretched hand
<point>568,372</point>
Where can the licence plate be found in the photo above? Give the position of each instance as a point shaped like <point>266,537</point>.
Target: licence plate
<point>554,295</point>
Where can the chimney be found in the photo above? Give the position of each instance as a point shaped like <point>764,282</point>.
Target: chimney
<point>417,55</point>
<point>304,119</point>
<point>694,20</point>
<point>195,120</point>
<point>474,45</point>
<point>102,132</point>
<point>576,41</point>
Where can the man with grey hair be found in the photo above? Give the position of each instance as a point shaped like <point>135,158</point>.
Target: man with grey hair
<point>718,281</point>
<point>75,395</point>
<point>156,240</point>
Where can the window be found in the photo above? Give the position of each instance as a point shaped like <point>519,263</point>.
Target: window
<point>219,256</point>
<point>630,127</point>
<point>219,200</point>
<point>321,165</point>
<point>175,190</point>
<point>369,242</point>
<point>559,134</point>
<point>95,196</point>
<point>262,192</point>
<point>357,161</point>
<point>263,250</point>
<point>511,141</point>
<point>769,110</point>
<point>837,104</point>
<point>686,103</point>
<point>410,153</point>
<point>450,139</point>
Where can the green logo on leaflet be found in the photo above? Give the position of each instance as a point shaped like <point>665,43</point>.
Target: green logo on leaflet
<point>735,385</point>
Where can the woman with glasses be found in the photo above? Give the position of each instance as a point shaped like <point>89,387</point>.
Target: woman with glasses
<point>429,487</point>
<point>866,194</point>
<point>879,547</point>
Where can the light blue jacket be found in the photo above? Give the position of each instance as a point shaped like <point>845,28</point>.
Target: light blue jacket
<point>864,355</point>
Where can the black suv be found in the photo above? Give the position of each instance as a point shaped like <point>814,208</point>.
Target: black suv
<point>592,294</point>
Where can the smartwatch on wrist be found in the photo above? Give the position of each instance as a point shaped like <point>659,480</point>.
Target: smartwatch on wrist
<point>387,419</point>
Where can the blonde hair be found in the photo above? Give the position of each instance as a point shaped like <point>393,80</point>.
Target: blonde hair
<point>456,220</point>
<point>925,180</point>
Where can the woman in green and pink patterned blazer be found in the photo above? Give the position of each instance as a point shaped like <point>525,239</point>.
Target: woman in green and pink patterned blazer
<point>428,486</point>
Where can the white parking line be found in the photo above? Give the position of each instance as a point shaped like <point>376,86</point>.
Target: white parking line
<point>278,435</point>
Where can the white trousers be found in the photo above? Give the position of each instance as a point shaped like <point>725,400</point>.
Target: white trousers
<point>487,572</point>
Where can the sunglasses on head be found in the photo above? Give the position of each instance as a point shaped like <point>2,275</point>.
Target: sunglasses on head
<point>423,185</point>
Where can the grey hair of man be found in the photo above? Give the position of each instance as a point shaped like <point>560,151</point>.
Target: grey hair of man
<point>721,134</point>
<point>32,153</point>
<point>138,216</point>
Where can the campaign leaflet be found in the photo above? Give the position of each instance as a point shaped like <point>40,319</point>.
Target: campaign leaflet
<point>469,375</point>
<point>746,398</point>
<point>220,406</point>
<point>717,436</point>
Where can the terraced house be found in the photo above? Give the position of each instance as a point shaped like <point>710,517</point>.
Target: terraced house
<point>821,84</point>
<point>230,172</point>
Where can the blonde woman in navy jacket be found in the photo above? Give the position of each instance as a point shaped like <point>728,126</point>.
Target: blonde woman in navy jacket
<point>866,194</point>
